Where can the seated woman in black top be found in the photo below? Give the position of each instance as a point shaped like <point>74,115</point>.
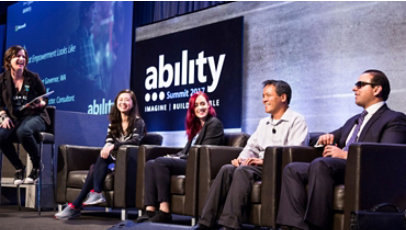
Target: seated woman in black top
<point>202,128</point>
<point>126,128</point>
<point>20,119</point>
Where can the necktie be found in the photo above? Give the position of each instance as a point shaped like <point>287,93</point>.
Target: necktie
<point>354,135</point>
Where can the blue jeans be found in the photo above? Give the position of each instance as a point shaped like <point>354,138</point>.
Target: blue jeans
<point>24,132</point>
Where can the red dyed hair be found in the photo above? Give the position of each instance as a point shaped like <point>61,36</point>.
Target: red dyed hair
<point>193,125</point>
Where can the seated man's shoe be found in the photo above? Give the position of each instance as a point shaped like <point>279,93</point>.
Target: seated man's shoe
<point>19,177</point>
<point>32,177</point>
<point>94,198</point>
<point>146,216</point>
<point>161,217</point>
<point>69,212</point>
<point>200,227</point>
<point>227,228</point>
<point>284,227</point>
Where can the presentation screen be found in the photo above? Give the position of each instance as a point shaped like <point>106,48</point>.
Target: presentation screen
<point>170,68</point>
<point>81,50</point>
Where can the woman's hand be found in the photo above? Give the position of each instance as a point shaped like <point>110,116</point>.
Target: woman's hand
<point>38,104</point>
<point>7,123</point>
<point>105,152</point>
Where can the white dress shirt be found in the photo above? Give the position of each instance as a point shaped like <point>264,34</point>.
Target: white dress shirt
<point>291,129</point>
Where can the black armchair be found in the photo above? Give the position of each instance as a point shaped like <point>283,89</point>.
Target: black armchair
<point>375,173</point>
<point>185,189</point>
<point>265,194</point>
<point>75,161</point>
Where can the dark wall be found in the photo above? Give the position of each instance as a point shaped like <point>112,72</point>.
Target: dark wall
<point>3,11</point>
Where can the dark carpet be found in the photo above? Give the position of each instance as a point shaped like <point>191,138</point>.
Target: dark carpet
<point>28,219</point>
<point>91,219</point>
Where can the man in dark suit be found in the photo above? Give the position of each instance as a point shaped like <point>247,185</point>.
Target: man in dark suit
<point>299,209</point>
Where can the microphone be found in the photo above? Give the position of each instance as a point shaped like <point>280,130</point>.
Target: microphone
<point>273,129</point>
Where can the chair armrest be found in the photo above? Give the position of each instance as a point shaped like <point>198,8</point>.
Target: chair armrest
<point>275,159</point>
<point>72,158</point>
<point>191,181</point>
<point>271,184</point>
<point>212,158</point>
<point>46,138</point>
<point>125,172</point>
<point>375,173</point>
<point>145,153</point>
<point>299,154</point>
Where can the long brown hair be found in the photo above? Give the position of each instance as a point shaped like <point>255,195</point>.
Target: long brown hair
<point>115,115</point>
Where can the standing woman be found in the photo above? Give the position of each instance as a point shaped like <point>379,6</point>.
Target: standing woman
<point>202,128</point>
<point>126,128</point>
<point>19,86</point>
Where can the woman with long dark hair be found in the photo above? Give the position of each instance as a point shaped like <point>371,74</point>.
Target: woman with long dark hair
<point>202,128</point>
<point>126,128</point>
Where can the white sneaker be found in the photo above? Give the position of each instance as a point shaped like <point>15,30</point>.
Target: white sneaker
<point>94,198</point>
<point>18,177</point>
<point>67,213</point>
<point>32,177</point>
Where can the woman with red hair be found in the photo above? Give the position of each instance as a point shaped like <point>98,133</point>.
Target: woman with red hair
<point>202,128</point>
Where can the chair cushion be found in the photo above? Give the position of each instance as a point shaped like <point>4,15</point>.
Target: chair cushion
<point>256,193</point>
<point>178,184</point>
<point>152,139</point>
<point>76,179</point>
<point>338,203</point>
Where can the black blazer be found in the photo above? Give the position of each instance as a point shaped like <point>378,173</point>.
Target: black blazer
<point>6,84</point>
<point>385,126</point>
<point>212,133</point>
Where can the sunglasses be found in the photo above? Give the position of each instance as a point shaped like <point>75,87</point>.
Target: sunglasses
<point>360,84</point>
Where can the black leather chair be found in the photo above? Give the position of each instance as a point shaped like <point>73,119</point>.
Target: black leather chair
<point>46,141</point>
<point>119,186</point>
<point>375,173</point>
<point>185,189</point>
<point>265,194</point>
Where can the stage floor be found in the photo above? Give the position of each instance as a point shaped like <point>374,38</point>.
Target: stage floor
<point>91,219</point>
<point>28,219</point>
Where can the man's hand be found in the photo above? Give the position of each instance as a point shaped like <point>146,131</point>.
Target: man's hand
<point>236,162</point>
<point>334,151</point>
<point>7,123</point>
<point>105,152</point>
<point>326,139</point>
<point>254,161</point>
<point>244,162</point>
